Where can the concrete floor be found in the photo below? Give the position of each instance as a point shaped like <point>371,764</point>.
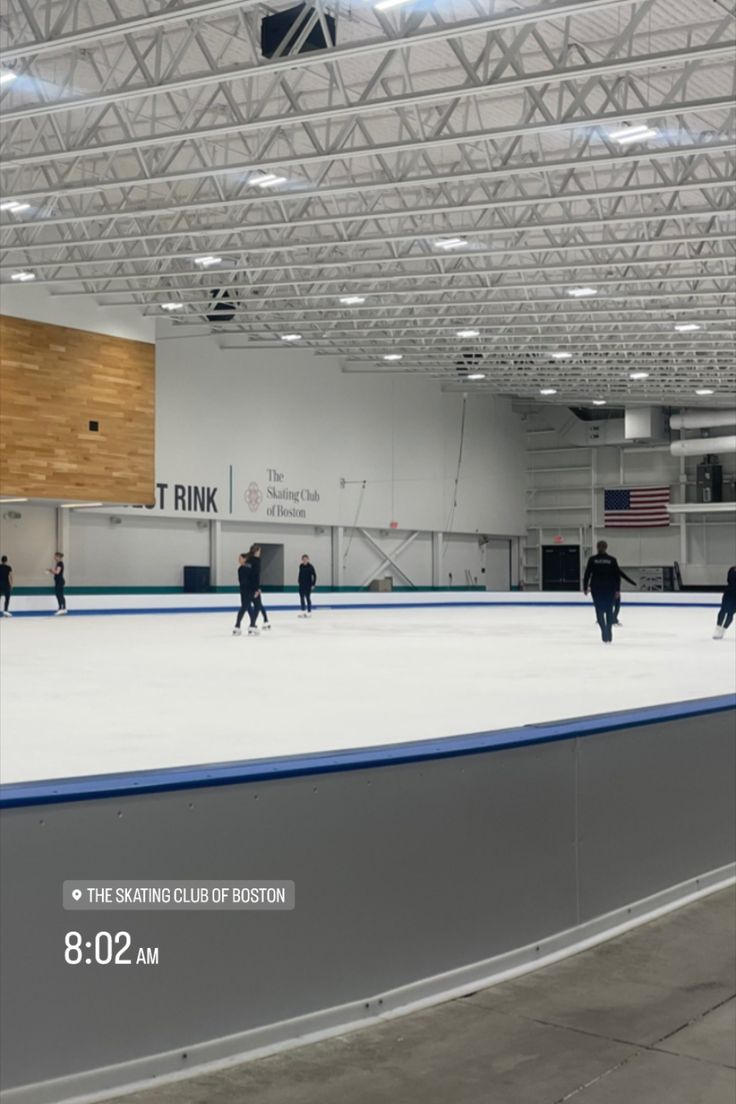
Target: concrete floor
<point>647,1018</point>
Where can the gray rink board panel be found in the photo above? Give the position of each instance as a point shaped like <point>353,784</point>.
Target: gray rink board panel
<point>402,872</point>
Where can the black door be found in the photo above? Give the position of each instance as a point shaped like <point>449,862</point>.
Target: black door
<point>560,567</point>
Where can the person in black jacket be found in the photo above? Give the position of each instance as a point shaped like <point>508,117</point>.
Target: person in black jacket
<point>249,581</point>
<point>307,583</point>
<point>728,605</point>
<point>245,577</point>
<point>57,571</point>
<point>6,584</point>
<point>603,578</point>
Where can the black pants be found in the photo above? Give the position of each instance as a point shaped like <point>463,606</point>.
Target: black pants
<point>5,592</point>
<point>604,602</point>
<point>59,589</point>
<point>725,613</point>
<point>305,597</point>
<point>246,606</point>
<point>256,609</point>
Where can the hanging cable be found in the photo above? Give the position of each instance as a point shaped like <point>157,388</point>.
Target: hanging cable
<point>451,516</point>
<point>355,522</point>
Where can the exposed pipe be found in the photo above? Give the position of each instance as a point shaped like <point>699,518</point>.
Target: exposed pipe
<point>700,446</point>
<point>702,419</point>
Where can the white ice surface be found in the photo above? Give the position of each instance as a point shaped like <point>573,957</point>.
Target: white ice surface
<point>96,695</point>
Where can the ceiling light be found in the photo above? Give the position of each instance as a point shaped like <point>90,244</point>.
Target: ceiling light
<point>687,327</point>
<point>561,356</point>
<point>477,376</point>
<point>468,333</point>
<point>638,375</point>
<point>269,179</point>
<point>704,391</point>
<point>393,356</point>
<point>634,134</point>
<point>451,243</point>
<point>382,5</point>
<point>4,501</point>
<point>7,75</point>
<point>23,277</point>
<point>547,391</point>
<point>79,505</point>
<point>291,337</point>
<point>599,402</point>
<point>14,206</point>
<point>205,262</point>
<point>582,293</point>
<point>351,300</point>
<point>172,306</point>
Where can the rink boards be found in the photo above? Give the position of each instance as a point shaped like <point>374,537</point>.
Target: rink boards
<point>421,871</point>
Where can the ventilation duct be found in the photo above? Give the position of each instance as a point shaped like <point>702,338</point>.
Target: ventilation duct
<point>699,446</point>
<point>703,419</point>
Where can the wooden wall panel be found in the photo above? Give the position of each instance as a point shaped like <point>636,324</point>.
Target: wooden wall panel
<point>53,382</point>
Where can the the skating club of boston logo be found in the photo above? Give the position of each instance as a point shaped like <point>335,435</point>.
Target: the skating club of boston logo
<point>253,496</point>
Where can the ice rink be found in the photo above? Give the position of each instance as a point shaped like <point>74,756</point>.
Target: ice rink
<point>93,695</point>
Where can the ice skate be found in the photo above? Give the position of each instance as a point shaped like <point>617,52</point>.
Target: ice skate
<point>7,613</point>
<point>267,625</point>
<point>252,631</point>
<point>237,632</point>
<point>719,631</point>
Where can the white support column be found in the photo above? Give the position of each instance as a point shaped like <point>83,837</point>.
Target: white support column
<point>683,516</point>
<point>436,559</point>
<point>216,574</point>
<point>63,530</point>
<point>337,554</point>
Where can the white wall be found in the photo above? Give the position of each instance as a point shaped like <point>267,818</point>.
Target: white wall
<point>300,415</point>
<point>135,552</point>
<point>79,312</point>
<point>29,542</point>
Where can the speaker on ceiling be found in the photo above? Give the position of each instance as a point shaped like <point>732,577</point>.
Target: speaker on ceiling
<point>285,27</point>
<point>223,309</point>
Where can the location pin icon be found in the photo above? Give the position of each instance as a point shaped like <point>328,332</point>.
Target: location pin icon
<point>77,894</point>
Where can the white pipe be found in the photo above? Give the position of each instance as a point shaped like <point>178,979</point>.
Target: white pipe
<point>700,446</point>
<point>702,419</point>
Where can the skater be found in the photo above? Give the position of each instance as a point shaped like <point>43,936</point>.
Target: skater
<point>728,605</point>
<point>307,583</point>
<point>57,571</point>
<point>603,577</point>
<point>249,580</point>
<point>254,558</point>
<point>6,584</point>
<point>245,582</point>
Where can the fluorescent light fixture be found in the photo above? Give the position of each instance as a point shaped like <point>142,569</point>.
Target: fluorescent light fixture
<point>451,243</point>
<point>23,277</point>
<point>477,376</point>
<point>687,327</point>
<point>269,180</point>
<point>10,205</point>
<point>291,337</point>
<point>599,402</point>
<point>352,300</point>
<point>548,391</point>
<point>561,356</point>
<point>393,356</point>
<point>582,293</point>
<point>208,260</point>
<point>7,75</point>
<point>79,505</point>
<point>468,333</point>
<point>638,375</point>
<point>634,134</point>
<point>383,5</point>
<point>172,306</point>
<point>704,391</point>
<point>3,501</point>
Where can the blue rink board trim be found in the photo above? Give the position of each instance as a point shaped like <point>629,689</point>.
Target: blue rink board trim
<point>352,606</point>
<point>100,786</point>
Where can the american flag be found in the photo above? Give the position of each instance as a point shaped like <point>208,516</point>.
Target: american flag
<point>642,508</point>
